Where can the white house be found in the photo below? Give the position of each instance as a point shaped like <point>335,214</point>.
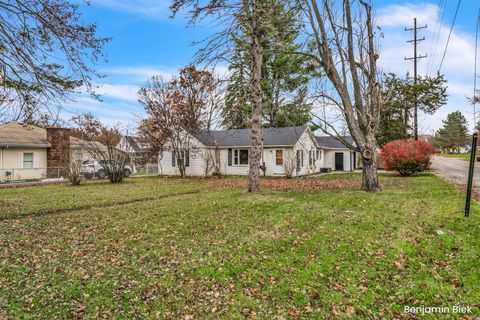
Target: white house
<point>293,150</point>
<point>138,149</point>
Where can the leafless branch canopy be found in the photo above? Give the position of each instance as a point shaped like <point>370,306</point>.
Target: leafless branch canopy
<point>46,52</point>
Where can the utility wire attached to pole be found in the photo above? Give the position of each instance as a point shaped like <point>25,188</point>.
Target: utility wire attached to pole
<point>415,59</point>
<point>449,35</point>
<point>474,102</point>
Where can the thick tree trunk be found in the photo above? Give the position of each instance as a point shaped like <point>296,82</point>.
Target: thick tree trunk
<point>256,116</point>
<point>370,177</point>
<point>370,181</point>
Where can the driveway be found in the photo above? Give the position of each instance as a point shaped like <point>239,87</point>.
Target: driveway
<point>455,170</point>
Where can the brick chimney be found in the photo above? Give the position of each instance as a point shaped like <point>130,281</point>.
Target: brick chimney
<point>58,155</point>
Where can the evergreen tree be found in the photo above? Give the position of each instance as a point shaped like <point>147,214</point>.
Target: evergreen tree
<point>454,132</point>
<point>237,101</point>
<point>477,126</point>
<point>284,76</point>
<point>395,123</point>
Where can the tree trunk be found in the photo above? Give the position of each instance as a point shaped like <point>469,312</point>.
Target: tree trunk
<point>256,116</point>
<point>370,181</point>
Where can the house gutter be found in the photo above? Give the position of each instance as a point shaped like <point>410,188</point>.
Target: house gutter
<point>25,145</point>
<point>249,146</point>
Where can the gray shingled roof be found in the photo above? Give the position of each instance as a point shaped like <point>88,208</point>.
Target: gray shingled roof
<point>332,143</point>
<point>241,137</point>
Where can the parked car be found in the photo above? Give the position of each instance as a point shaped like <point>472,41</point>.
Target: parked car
<point>93,168</point>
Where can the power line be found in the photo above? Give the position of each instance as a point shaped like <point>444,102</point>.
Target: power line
<point>442,5</point>
<point>475,71</point>
<point>415,59</point>
<point>449,34</point>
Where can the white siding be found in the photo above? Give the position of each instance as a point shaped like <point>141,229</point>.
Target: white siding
<point>196,165</point>
<point>304,144</point>
<point>12,161</point>
<point>330,159</point>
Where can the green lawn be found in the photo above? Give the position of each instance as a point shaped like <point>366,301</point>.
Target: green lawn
<point>57,198</point>
<point>465,156</point>
<point>190,249</point>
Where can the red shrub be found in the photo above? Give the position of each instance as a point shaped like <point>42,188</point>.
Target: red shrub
<point>407,156</point>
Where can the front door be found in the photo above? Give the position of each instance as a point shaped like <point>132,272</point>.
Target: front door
<point>339,161</point>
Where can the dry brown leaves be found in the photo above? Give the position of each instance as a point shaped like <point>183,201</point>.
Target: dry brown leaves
<point>309,184</point>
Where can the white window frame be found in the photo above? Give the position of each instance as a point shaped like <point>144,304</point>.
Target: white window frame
<point>281,157</point>
<point>236,157</point>
<point>33,160</point>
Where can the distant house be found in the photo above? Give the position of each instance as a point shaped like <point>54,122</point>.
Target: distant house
<point>138,149</point>
<point>32,152</point>
<point>294,150</point>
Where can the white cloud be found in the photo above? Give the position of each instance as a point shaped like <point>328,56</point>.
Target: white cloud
<point>119,91</point>
<point>457,65</point>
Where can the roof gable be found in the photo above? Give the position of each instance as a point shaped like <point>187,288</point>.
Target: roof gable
<point>138,144</point>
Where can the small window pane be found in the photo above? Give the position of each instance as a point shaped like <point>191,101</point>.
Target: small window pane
<point>279,157</point>
<point>28,160</point>
<point>244,156</point>
<point>235,157</point>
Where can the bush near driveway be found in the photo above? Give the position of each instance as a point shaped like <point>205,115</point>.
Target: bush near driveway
<point>407,157</point>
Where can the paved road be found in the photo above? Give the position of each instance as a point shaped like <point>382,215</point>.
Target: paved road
<point>455,170</point>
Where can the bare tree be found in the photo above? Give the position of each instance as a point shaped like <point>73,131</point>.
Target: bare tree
<point>175,110</point>
<point>344,47</point>
<point>208,162</point>
<point>75,166</point>
<point>289,163</point>
<point>212,164</point>
<point>47,52</point>
<point>100,143</point>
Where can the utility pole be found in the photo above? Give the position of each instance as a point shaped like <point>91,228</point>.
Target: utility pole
<point>415,58</point>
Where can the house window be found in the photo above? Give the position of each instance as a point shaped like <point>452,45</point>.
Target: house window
<point>240,156</point>
<point>28,160</point>
<point>299,159</point>
<point>279,157</point>
<point>319,154</point>
<point>311,160</point>
<point>183,156</point>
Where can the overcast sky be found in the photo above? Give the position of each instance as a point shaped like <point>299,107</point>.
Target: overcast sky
<point>147,42</point>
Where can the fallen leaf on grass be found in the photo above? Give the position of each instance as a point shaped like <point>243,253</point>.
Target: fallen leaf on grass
<point>293,313</point>
<point>248,312</point>
<point>314,295</point>
<point>336,310</point>
<point>350,311</point>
